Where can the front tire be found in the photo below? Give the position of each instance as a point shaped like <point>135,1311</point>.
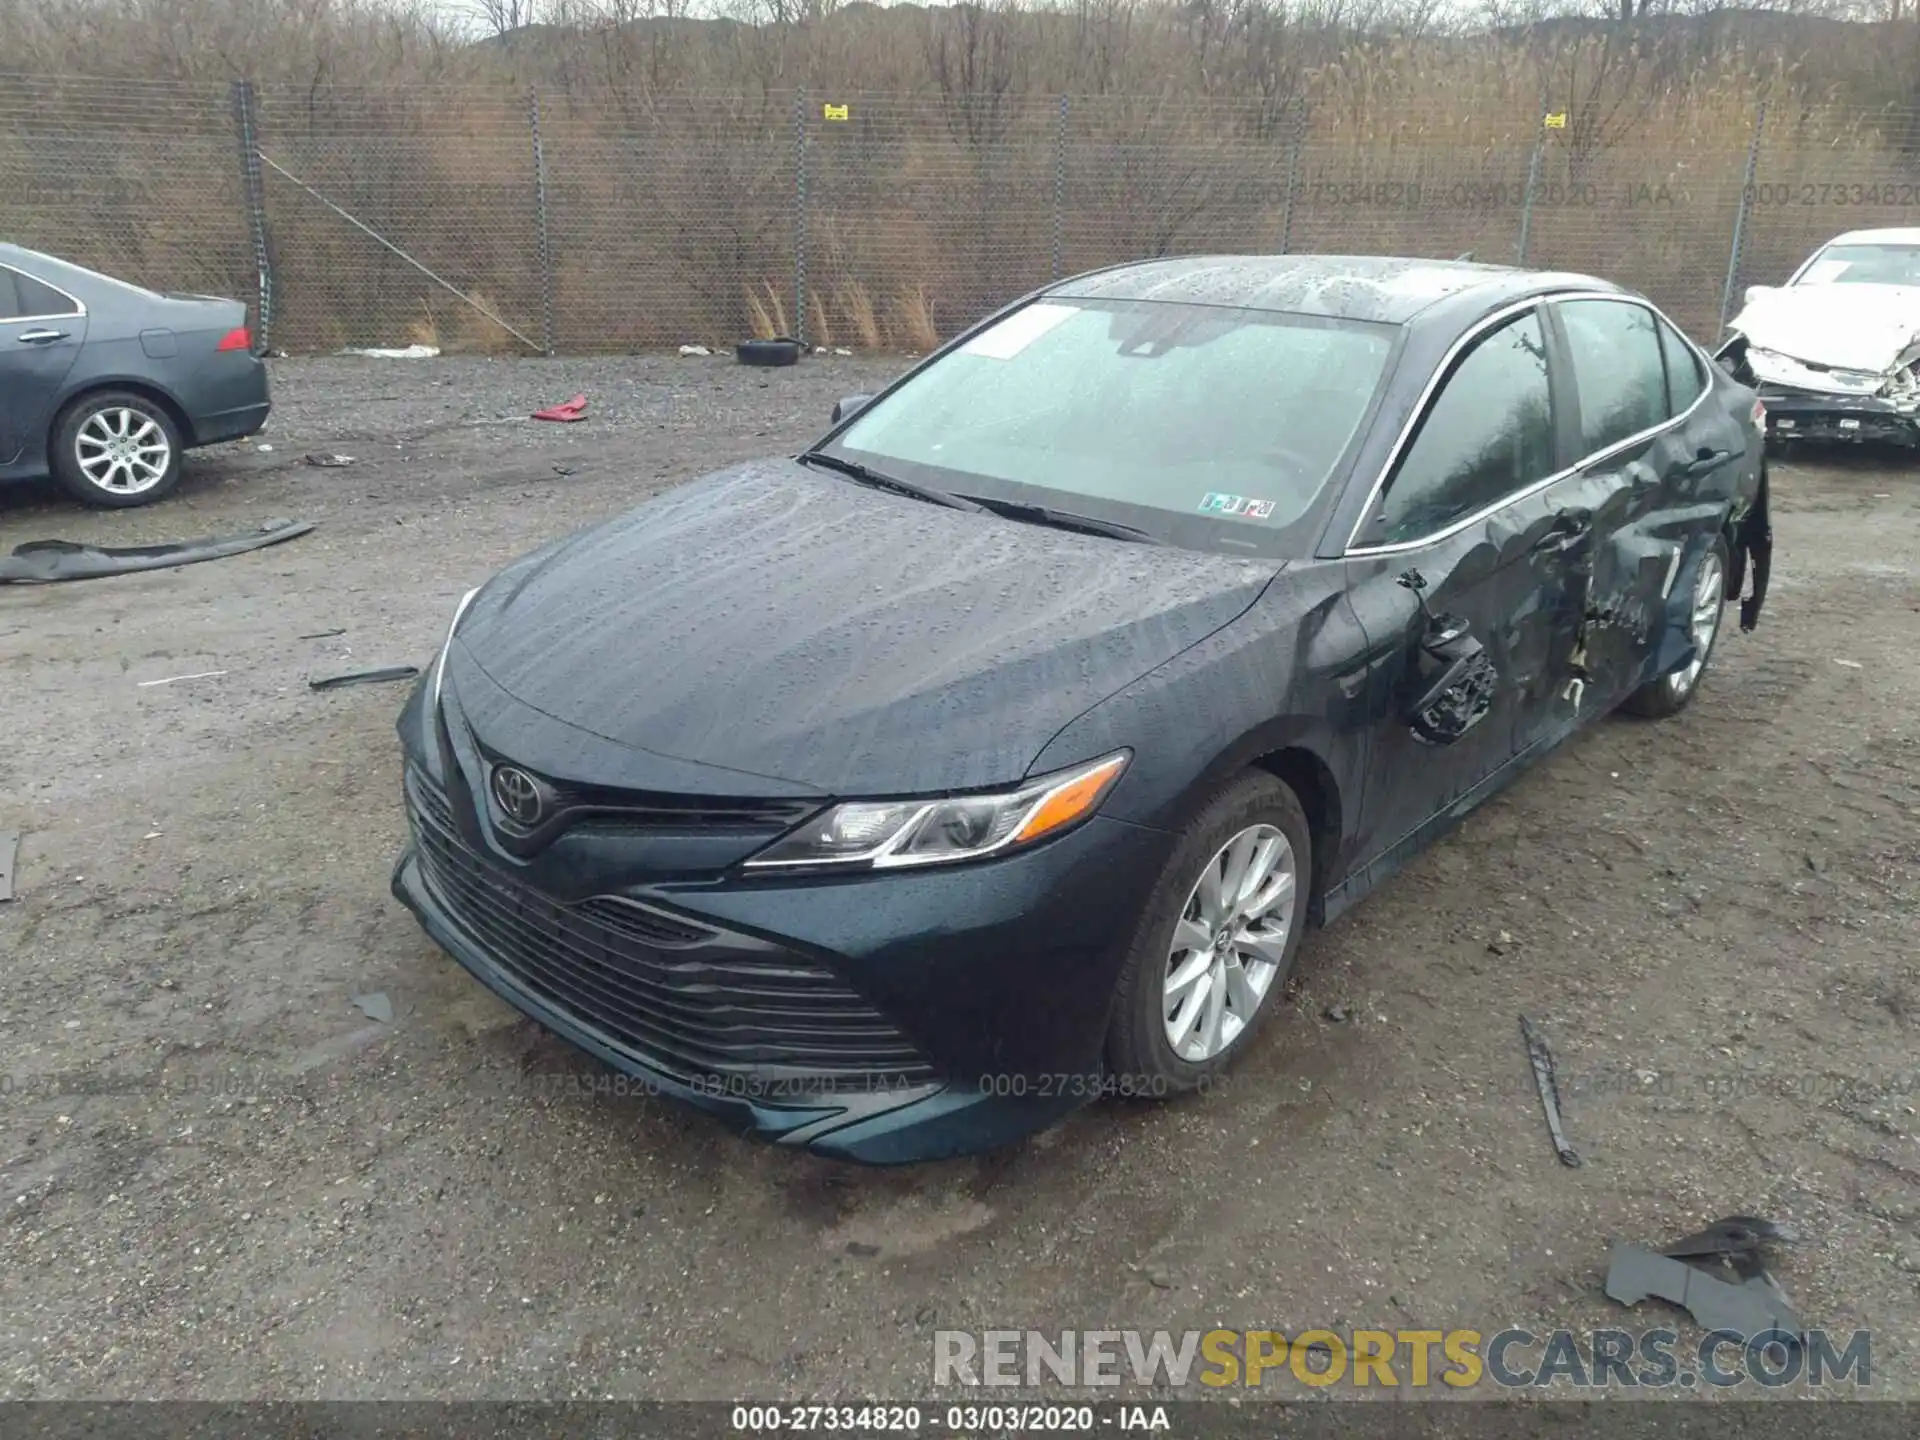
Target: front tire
<point>1669,694</point>
<point>1216,942</point>
<point>116,449</point>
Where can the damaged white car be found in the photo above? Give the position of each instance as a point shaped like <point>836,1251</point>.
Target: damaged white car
<point>1835,352</point>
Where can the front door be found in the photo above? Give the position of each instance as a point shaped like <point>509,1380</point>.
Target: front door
<point>1461,581</point>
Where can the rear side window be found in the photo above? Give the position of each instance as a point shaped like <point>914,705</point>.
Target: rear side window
<point>22,295</point>
<point>1487,435</point>
<point>1617,367</point>
<point>1685,380</point>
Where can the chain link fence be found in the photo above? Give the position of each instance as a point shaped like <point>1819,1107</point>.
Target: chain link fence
<point>516,221</point>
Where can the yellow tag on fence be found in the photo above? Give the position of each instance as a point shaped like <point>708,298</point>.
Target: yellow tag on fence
<point>1557,120</point>
<point>834,112</point>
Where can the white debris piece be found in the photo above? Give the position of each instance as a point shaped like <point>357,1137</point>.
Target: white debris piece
<point>695,350</point>
<point>410,352</point>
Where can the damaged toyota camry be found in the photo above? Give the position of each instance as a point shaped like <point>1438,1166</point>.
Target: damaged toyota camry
<point>998,751</point>
<point>1835,352</point>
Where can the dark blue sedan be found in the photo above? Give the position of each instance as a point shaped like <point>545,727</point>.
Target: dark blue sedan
<point>998,751</point>
<point>104,384</point>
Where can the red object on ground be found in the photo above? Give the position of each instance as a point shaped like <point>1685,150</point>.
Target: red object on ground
<point>574,409</point>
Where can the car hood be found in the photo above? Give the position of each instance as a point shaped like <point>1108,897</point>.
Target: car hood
<point>1867,328</point>
<point>795,625</point>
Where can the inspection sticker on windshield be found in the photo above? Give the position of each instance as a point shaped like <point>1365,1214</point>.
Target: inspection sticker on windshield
<point>1017,331</point>
<point>1243,506</point>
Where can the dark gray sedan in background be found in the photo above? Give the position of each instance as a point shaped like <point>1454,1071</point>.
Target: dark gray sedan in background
<point>104,384</point>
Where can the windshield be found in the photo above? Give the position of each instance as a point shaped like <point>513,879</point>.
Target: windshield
<point>1864,265</point>
<point>1195,423</point>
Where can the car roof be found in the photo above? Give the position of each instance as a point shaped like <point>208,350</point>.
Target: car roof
<point>1894,235</point>
<point>1382,288</point>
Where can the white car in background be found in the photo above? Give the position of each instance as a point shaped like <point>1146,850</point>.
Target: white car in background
<point>1835,352</point>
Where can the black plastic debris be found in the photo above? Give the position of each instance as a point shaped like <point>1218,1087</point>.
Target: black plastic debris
<point>364,677</point>
<point>321,634</point>
<point>1547,1082</point>
<point>42,562</point>
<point>1717,1276</point>
<point>9,847</point>
<point>325,461</point>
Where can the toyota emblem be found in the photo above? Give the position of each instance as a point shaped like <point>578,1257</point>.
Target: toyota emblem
<point>518,795</point>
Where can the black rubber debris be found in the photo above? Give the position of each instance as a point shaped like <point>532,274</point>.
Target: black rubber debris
<point>768,352</point>
<point>364,677</point>
<point>42,562</point>
<point>321,635</point>
<point>1717,1276</point>
<point>1548,1084</point>
<point>9,847</point>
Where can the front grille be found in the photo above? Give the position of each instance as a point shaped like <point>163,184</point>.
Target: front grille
<point>654,985</point>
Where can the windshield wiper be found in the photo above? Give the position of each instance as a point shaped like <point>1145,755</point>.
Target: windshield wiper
<point>867,475</point>
<point>1063,519</point>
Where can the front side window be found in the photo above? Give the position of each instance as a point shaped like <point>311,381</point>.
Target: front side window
<point>1487,435</point>
<point>1178,419</point>
<point>1863,265</point>
<point>1617,369</point>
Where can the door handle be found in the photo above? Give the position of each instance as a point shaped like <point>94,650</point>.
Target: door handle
<point>1705,461</point>
<point>40,337</point>
<point>1564,529</point>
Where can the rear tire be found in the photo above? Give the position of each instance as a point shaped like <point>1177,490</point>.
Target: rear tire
<point>1209,970</point>
<point>116,449</point>
<point>1669,694</point>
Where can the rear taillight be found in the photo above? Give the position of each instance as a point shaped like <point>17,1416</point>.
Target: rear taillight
<point>1759,417</point>
<point>236,340</point>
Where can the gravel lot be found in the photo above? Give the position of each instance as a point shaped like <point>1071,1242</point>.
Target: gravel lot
<point>222,1179</point>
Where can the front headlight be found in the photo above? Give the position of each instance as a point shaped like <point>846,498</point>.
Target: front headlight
<point>890,834</point>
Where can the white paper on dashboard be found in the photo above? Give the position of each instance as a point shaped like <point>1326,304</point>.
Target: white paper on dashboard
<point>1017,331</point>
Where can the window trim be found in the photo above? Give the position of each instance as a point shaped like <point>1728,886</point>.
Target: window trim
<point>78,312</point>
<point>1486,323</point>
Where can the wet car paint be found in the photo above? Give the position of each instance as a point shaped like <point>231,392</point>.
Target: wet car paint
<point>1308,668</point>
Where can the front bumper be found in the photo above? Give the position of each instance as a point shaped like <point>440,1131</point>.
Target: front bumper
<point>1844,419</point>
<point>877,1018</point>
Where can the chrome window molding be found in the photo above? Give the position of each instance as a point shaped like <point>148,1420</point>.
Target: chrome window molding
<point>1443,370</point>
<point>78,312</point>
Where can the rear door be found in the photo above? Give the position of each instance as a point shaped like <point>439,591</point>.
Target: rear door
<point>41,331</point>
<point>1447,575</point>
<point>1646,436</point>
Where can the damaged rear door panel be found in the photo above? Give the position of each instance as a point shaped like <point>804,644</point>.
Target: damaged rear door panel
<point>1661,472</point>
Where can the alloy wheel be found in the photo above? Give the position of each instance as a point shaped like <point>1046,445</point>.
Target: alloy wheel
<point>1230,942</point>
<point>123,451</point>
<point>1703,623</point>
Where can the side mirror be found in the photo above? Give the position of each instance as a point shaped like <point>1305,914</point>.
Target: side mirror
<point>1754,292</point>
<point>850,406</point>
